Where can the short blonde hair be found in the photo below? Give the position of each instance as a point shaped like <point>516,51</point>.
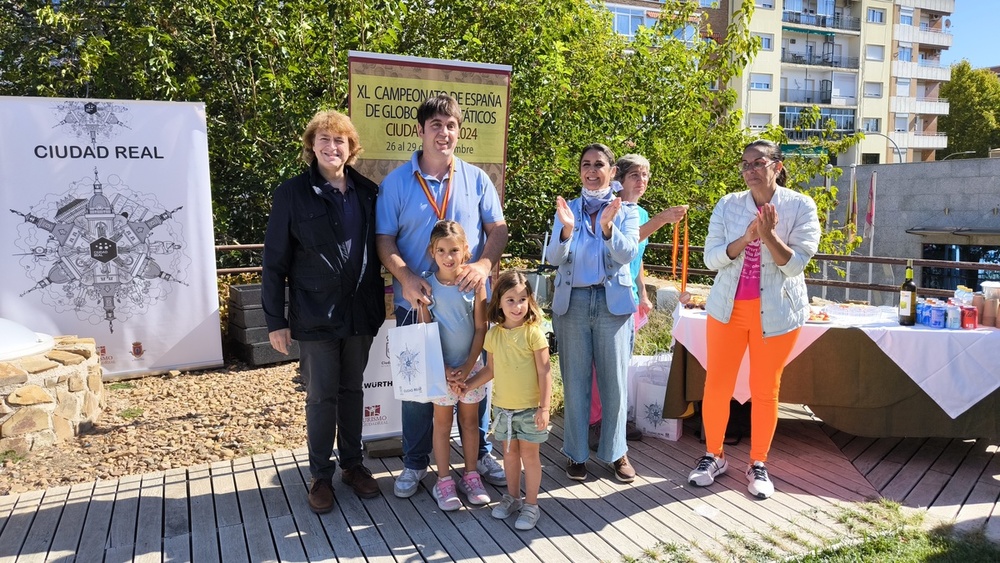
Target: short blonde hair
<point>333,122</point>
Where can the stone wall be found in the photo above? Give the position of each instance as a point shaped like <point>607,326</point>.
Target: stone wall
<point>50,397</point>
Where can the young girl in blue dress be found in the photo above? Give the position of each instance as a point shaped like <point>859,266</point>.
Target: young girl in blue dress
<point>461,318</point>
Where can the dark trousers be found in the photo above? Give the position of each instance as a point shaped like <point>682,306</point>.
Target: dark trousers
<point>418,422</point>
<point>333,372</point>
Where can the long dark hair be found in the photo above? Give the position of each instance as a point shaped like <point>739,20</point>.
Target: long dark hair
<point>603,149</point>
<point>773,151</point>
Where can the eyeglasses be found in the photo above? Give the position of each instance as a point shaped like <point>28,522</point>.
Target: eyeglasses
<point>756,165</point>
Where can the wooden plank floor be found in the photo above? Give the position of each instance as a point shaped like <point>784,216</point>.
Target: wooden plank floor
<point>255,509</point>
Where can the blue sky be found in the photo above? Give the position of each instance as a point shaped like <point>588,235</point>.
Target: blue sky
<point>975,25</point>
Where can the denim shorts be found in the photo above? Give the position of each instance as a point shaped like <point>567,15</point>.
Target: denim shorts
<point>517,425</point>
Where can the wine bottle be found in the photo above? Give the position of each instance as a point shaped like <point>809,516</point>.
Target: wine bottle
<point>908,298</point>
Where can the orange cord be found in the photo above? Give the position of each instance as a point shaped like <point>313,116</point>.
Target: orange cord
<point>684,256</point>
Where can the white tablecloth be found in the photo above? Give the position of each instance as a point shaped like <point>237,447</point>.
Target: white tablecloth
<point>957,368</point>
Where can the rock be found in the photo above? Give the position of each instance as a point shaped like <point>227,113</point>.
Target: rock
<point>37,364</point>
<point>29,395</point>
<point>65,358</point>
<point>25,421</point>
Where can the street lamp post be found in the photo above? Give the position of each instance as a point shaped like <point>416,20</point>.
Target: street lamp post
<point>958,153</point>
<point>899,153</point>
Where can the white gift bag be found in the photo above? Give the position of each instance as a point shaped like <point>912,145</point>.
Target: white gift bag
<point>649,368</point>
<point>649,415</point>
<point>417,363</point>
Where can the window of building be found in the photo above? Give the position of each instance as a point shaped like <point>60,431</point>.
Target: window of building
<point>950,278</point>
<point>790,117</point>
<point>872,124</point>
<point>707,3</point>
<point>793,5</point>
<point>876,15</point>
<point>758,120</point>
<point>873,89</point>
<point>902,122</point>
<point>902,86</point>
<point>760,81</point>
<point>905,52</point>
<point>766,41</point>
<point>906,16</point>
<point>627,19</point>
<point>870,158</point>
<point>766,4</point>
<point>875,52</point>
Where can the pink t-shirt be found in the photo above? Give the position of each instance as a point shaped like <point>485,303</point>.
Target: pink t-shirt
<point>749,284</point>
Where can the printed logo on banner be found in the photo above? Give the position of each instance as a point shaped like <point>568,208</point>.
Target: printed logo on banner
<point>96,250</point>
<point>137,350</point>
<point>374,416</point>
<point>92,120</point>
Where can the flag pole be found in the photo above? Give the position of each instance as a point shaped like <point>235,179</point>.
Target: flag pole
<point>850,206</point>
<point>870,229</point>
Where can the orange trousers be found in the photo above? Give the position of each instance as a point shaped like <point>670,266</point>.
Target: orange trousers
<point>727,343</point>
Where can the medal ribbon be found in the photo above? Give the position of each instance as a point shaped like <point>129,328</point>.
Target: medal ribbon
<point>439,211</point>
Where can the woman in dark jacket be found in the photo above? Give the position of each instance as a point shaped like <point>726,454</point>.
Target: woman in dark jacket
<point>320,244</point>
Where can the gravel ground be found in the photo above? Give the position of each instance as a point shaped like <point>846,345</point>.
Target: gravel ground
<point>162,422</point>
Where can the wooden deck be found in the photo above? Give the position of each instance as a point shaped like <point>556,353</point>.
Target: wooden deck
<point>255,509</point>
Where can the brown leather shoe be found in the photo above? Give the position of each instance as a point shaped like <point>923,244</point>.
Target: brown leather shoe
<point>321,496</point>
<point>624,471</point>
<point>360,479</point>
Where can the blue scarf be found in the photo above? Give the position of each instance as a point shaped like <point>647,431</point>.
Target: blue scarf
<point>592,205</point>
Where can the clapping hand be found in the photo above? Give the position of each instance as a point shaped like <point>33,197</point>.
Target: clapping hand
<point>608,215</point>
<point>767,220</point>
<point>565,216</point>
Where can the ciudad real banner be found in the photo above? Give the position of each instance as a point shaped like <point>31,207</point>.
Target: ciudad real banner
<point>106,229</point>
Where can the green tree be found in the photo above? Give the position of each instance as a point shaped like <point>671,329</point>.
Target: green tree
<point>264,67</point>
<point>973,120</point>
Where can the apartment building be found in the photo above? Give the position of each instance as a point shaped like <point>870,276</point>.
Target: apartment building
<point>869,65</point>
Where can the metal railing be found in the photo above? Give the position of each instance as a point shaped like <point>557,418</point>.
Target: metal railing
<point>801,96</point>
<point>821,60</point>
<point>832,22</point>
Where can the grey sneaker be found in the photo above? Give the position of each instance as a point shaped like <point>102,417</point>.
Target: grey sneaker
<point>709,467</point>
<point>528,517</point>
<point>491,471</point>
<point>407,482</point>
<point>508,505</point>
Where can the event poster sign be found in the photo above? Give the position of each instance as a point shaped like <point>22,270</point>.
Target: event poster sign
<point>106,229</point>
<point>386,90</point>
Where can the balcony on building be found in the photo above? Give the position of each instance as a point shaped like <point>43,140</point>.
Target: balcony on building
<point>924,35</point>
<point>824,59</point>
<point>920,106</point>
<point>941,6</point>
<point>843,119</point>
<point>927,69</point>
<point>920,139</point>
<point>810,18</point>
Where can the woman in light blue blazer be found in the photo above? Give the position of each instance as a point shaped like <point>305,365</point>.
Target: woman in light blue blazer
<point>594,238</point>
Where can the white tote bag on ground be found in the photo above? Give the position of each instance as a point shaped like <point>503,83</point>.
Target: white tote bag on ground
<point>417,363</point>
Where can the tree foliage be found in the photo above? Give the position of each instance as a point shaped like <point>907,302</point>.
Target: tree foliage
<point>973,120</point>
<point>264,67</point>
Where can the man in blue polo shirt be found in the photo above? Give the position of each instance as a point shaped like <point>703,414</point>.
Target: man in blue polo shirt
<point>436,185</point>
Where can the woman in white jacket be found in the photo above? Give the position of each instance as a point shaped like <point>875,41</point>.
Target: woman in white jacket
<point>760,242</point>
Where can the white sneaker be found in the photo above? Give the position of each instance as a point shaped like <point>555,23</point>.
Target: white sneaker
<point>491,471</point>
<point>444,493</point>
<point>528,517</point>
<point>508,505</point>
<point>760,483</point>
<point>472,486</point>
<point>709,467</point>
<point>407,482</point>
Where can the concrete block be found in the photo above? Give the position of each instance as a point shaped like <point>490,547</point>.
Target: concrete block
<point>263,354</point>
<point>386,447</point>
<point>245,296</point>
<point>248,335</point>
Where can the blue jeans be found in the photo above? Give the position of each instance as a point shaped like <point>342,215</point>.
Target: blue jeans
<point>418,422</point>
<point>591,337</point>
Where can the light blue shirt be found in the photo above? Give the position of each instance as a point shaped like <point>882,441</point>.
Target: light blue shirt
<point>404,212</point>
<point>636,263</point>
<point>454,311</point>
